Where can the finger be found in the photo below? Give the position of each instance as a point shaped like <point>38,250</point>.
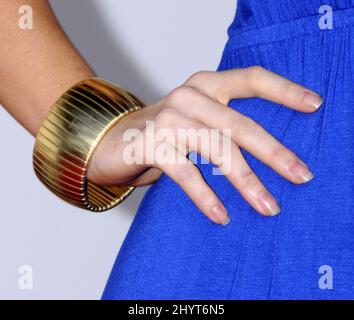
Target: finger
<point>256,82</point>
<point>188,177</point>
<point>247,134</point>
<point>150,176</point>
<point>224,153</point>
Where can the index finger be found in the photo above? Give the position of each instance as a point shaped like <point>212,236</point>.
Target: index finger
<point>257,82</point>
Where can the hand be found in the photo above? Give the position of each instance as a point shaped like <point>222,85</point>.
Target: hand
<point>201,104</point>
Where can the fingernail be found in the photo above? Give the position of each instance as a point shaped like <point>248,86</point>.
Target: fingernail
<point>221,215</point>
<point>312,99</point>
<point>301,172</point>
<point>268,204</point>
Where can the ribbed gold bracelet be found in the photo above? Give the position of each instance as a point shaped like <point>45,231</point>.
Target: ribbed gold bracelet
<point>70,134</point>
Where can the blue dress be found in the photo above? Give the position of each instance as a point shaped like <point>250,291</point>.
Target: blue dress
<point>172,251</point>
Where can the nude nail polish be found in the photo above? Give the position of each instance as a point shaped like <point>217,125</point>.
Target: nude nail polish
<point>300,171</point>
<point>221,215</point>
<point>312,99</point>
<point>268,204</point>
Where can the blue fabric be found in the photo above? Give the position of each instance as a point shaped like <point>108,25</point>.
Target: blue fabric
<point>173,252</point>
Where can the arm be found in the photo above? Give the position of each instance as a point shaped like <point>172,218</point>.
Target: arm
<point>36,66</point>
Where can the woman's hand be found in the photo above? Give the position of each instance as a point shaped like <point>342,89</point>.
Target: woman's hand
<point>201,104</point>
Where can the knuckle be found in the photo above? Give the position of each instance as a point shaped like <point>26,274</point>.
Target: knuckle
<point>254,74</point>
<point>186,174</point>
<point>166,116</point>
<point>281,153</point>
<point>198,77</point>
<point>246,174</point>
<point>247,179</point>
<point>244,126</point>
<point>255,71</point>
<point>179,96</point>
<point>209,83</point>
<point>292,93</point>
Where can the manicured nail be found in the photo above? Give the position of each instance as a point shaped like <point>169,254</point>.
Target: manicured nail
<point>221,215</point>
<point>268,204</point>
<point>312,99</point>
<point>301,172</point>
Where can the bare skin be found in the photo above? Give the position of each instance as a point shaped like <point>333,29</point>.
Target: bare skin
<point>37,66</point>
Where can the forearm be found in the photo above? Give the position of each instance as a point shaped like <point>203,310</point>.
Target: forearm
<point>36,66</point>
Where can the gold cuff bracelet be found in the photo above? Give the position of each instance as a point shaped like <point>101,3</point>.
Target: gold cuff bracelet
<point>69,136</point>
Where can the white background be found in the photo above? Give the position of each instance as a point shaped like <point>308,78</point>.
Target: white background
<point>148,46</point>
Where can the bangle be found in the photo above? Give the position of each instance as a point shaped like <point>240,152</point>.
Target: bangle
<point>69,136</point>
